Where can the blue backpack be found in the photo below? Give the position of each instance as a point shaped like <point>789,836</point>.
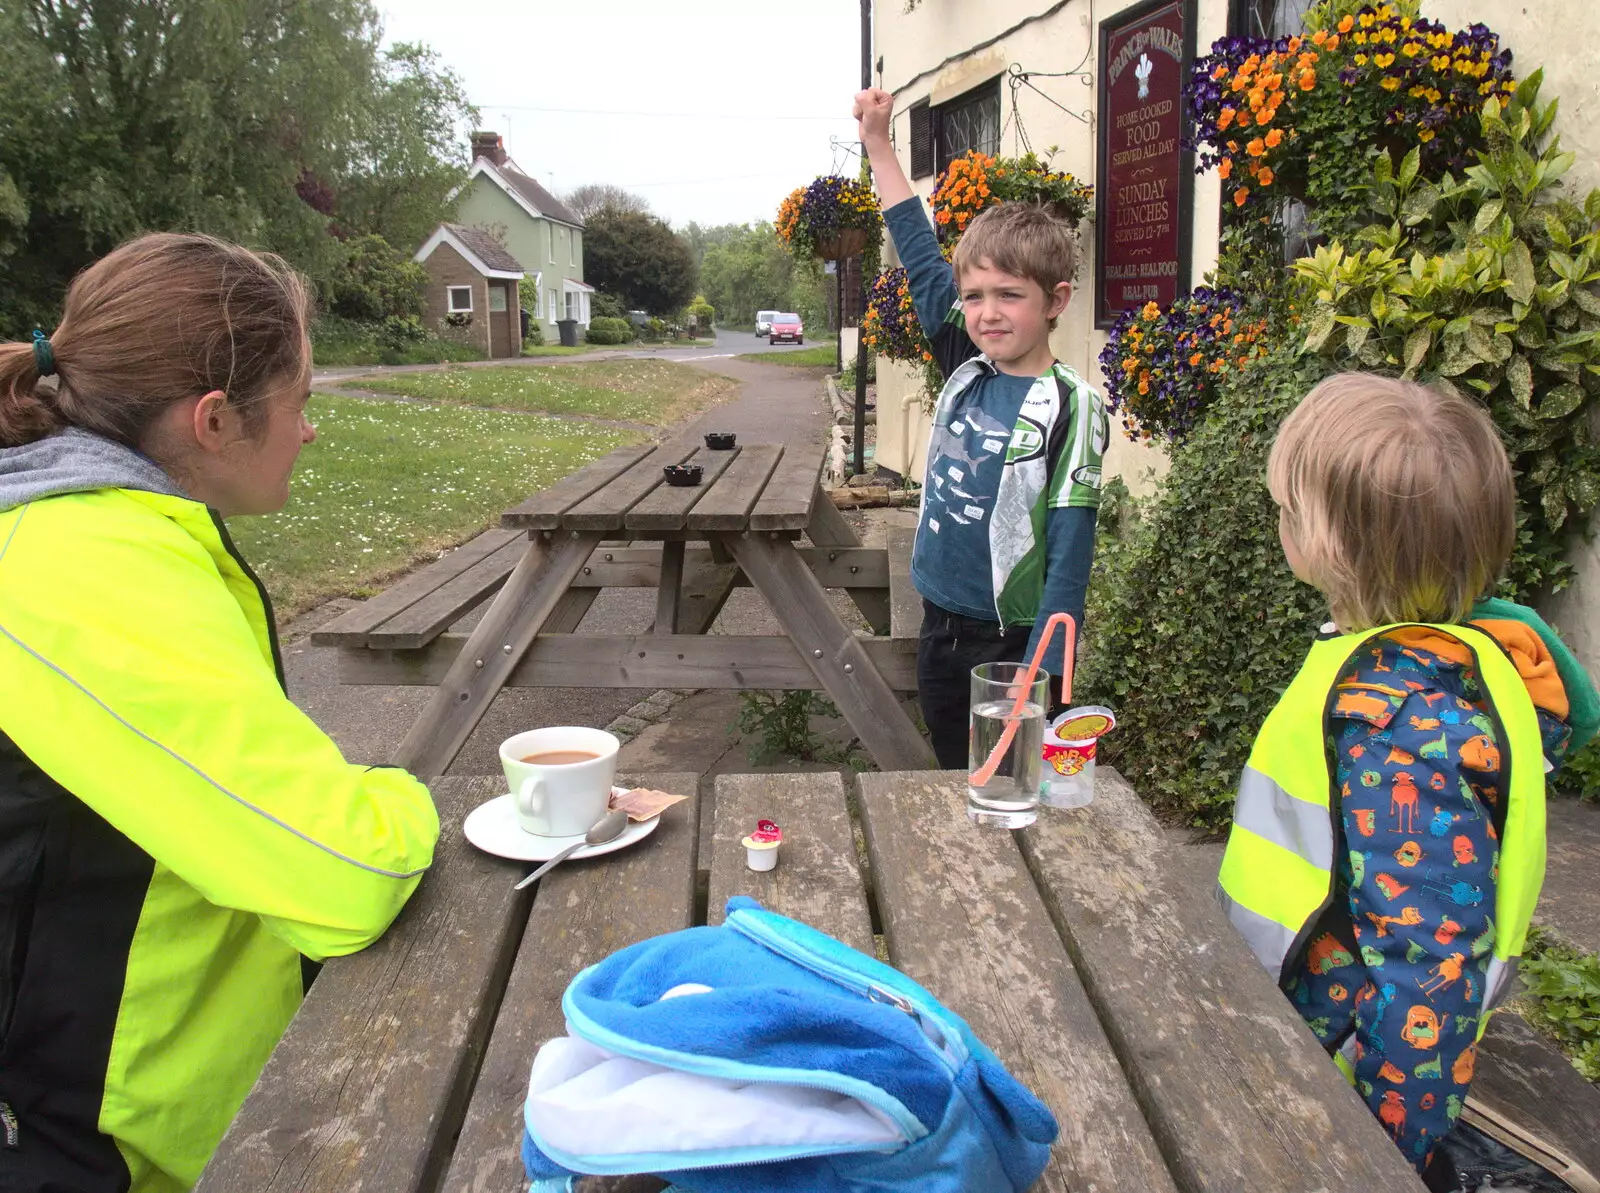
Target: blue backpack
<point>764,1054</point>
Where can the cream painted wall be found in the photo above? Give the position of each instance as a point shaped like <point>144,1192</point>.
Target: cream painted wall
<point>928,54</point>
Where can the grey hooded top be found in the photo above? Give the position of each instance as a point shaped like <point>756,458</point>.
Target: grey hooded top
<point>76,461</point>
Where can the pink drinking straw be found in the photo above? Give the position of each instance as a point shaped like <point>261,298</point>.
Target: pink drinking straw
<point>986,772</point>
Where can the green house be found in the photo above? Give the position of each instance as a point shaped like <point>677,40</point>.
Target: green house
<point>539,230</point>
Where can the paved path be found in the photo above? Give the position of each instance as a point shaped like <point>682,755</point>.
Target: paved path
<point>728,343</point>
<point>774,404</point>
<point>1570,902</point>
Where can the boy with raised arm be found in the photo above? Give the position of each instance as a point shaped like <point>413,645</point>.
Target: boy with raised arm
<point>1006,534</point>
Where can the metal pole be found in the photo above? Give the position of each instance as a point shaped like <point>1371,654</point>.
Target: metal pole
<point>861,343</point>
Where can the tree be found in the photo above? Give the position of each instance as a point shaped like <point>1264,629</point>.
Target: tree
<point>278,125</point>
<point>745,270</point>
<point>121,118</point>
<point>640,259</point>
<point>376,282</point>
<point>407,153</point>
<point>592,198</point>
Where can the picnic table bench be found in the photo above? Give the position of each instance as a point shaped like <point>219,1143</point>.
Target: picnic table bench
<point>1116,993</point>
<point>558,549</point>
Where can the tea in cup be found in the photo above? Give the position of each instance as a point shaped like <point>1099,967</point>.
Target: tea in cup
<point>560,778</point>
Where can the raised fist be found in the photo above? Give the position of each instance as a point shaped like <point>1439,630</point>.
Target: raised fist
<point>872,110</point>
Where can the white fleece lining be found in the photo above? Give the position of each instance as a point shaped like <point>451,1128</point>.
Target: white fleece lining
<point>586,1101</point>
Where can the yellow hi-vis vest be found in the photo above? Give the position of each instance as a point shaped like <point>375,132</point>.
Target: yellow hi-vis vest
<point>1278,872</point>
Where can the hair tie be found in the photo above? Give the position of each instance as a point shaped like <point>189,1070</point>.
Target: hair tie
<point>44,356</point>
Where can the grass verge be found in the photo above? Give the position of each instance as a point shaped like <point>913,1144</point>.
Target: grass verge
<point>812,356</point>
<point>657,392</point>
<point>388,484</point>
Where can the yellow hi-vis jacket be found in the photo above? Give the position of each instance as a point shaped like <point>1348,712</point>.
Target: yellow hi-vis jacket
<point>174,834</point>
<point>1278,873</point>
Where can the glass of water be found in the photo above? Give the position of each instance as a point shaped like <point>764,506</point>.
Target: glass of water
<point>1010,797</point>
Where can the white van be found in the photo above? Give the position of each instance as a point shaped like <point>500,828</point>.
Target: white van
<point>764,322</point>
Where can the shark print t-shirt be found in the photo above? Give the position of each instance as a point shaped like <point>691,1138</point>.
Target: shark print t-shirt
<point>951,564</point>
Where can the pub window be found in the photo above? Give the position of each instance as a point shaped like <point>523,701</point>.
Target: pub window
<point>1267,18</point>
<point>970,121</point>
<point>941,134</point>
<point>1271,20</point>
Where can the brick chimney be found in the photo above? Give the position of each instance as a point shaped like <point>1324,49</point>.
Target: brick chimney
<point>489,145</point>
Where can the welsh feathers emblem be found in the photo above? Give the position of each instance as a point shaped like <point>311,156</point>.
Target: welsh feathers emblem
<point>1142,73</point>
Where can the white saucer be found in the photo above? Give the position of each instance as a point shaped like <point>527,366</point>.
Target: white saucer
<point>493,828</point>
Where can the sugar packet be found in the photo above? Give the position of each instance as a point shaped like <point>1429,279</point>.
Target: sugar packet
<point>643,804</point>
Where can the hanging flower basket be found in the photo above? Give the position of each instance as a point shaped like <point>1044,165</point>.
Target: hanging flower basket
<point>976,182</point>
<point>890,328</point>
<point>831,218</point>
<point>851,242</point>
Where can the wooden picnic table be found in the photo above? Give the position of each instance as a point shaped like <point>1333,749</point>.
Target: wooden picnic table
<point>557,550</point>
<point>1112,989</point>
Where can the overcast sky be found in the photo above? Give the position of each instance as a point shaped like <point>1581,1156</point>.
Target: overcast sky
<point>713,110</point>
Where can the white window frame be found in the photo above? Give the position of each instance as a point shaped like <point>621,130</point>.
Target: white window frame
<point>572,247</point>
<point>550,295</point>
<point>552,244</point>
<point>450,300</point>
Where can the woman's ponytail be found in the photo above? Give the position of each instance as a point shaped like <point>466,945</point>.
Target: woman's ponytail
<point>166,317</point>
<point>25,415</point>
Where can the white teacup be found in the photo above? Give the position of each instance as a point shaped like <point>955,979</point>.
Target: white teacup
<point>560,778</point>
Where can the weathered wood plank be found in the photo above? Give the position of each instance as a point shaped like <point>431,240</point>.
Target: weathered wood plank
<point>818,879</point>
<point>351,628</point>
<point>706,588</point>
<point>829,529</point>
<point>787,500</point>
<point>837,657</point>
<point>688,660</point>
<point>640,567</point>
<point>905,603</point>
<point>369,1083</point>
<point>1526,1093</point>
<point>1236,1088</point>
<point>493,650</point>
<point>667,506</point>
<point>668,590</point>
<point>440,609</point>
<point>544,510</point>
<point>569,610</point>
<point>962,916</point>
<point>584,912</point>
<point>727,505</point>
<point>604,509</point>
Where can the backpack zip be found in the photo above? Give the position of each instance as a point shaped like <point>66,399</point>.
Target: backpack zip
<point>751,928</point>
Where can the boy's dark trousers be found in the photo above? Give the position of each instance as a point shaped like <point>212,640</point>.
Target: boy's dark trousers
<point>948,648</point>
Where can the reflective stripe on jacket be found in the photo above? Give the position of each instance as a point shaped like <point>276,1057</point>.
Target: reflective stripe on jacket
<point>1278,873</point>
<point>174,833</point>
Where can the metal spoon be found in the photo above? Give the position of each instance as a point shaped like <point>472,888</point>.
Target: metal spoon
<point>608,828</point>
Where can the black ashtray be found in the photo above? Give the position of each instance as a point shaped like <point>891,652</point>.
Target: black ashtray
<point>721,441</point>
<point>683,475</point>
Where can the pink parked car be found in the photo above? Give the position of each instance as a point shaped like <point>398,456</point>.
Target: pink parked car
<point>786,329</point>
